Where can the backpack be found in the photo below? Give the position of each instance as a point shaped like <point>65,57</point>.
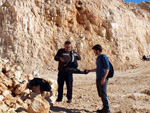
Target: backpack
<point>111,71</point>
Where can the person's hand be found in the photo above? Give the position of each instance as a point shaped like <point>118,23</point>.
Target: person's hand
<point>75,54</point>
<point>61,59</point>
<point>86,71</point>
<point>103,81</point>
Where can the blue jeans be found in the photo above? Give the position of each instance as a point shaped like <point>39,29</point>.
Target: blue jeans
<point>102,92</point>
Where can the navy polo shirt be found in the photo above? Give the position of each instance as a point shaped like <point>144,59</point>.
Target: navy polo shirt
<point>102,63</point>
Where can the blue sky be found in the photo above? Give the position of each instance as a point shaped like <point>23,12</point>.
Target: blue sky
<point>136,1</point>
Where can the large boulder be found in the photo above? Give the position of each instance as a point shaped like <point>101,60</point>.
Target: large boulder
<point>39,105</point>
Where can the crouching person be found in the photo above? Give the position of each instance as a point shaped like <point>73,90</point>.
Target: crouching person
<point>39,85</point>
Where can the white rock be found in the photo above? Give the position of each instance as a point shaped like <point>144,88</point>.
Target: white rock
<point>1,97</point>
<point>39,105</point>
<point>18,76</point>
<point>3,107</point>
<point>6,93</point>
<point>35,73</point>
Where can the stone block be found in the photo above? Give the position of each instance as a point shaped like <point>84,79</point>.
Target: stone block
<point>39,105</point>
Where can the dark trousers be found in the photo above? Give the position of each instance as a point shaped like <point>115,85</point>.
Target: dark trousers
<point>102,92</point>
<point>68,78</point>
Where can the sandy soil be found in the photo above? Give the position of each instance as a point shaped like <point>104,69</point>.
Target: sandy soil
<point>128,92</point>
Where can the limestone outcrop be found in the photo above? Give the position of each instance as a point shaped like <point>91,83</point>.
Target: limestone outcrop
<point>31,31</point>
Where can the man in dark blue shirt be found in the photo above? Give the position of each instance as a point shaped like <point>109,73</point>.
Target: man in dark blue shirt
<point>102,71</point>
<point>64,57</point>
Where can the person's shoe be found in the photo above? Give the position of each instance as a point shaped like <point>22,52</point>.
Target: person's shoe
<point>58,100</point>
<point>69,101</point>
<point>99,111</point>
<point>103,111</point>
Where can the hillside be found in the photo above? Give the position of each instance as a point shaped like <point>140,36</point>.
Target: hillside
<point>31,31</point>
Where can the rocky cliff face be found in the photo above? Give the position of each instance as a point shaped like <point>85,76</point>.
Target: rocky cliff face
<point>31,31</point>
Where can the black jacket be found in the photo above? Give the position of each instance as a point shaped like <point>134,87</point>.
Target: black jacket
<point>62,53</point>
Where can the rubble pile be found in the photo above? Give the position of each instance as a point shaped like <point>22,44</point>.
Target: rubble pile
<point>16,97</point>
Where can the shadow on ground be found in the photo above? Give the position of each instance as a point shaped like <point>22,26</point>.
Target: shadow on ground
<point>65,110</point>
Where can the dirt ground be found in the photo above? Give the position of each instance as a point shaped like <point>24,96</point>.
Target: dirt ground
<point>128,92</point>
